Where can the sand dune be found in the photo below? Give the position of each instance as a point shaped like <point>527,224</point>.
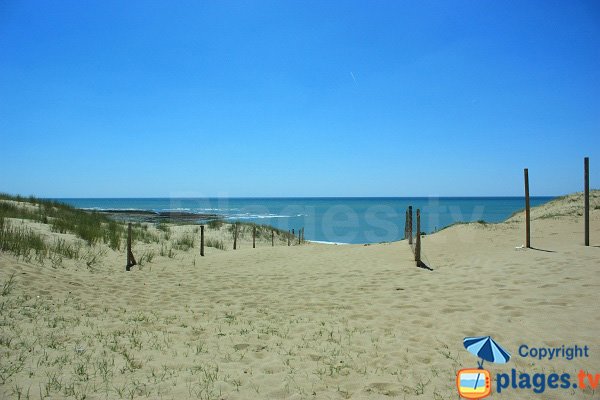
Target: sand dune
<point>308,321</point>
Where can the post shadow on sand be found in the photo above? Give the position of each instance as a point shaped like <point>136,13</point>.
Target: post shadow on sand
<point>421,264</point>
<point>547,251</point>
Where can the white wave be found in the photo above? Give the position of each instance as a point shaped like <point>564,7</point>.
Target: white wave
<point>251,216</point>
<point>113,209</point>
<point>323,242</point>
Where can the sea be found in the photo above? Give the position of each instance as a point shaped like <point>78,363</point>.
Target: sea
<point>340,220</point>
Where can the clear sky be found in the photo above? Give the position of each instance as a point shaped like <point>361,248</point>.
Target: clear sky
<point>298,98</point>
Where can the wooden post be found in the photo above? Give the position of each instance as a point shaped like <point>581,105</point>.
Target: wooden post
<point>288,237</point>
<point>202,240</point>
<point>527,215</point>
<point>272,238</point>
<point>299,235</point>
<point>302,234</point>
<point>586,195</point>
<point>130,258</point>
<point>410,224</point>
<point>406,224</point>
<point>235,232</point>
<point>418,243</point>
<point>254,237</point>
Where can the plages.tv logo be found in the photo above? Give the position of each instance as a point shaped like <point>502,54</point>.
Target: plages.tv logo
<point>476,383</point>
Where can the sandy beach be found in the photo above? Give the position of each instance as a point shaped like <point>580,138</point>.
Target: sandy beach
<point>308,321</point>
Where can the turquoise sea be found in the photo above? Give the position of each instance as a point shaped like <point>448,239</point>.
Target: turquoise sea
<point>337,220</point>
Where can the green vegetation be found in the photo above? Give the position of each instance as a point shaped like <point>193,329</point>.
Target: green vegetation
<point>21,241</point>
<point>140,233</point>
<point>90,226</point>
<point>27,244</point>
<point>7,287</point>
<point>185,242</point>
<point>262,231</point>
<point>217,244</point>
<point>146,257</point>
<point>215,224</point>
<point>31,242</point>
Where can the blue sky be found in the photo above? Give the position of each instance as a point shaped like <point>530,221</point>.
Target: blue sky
<point>298,98</point>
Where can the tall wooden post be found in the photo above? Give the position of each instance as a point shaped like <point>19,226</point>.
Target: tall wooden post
<point>586,195</point>
<point>130,258</point>
<point>406,224</point>
<point>527,215</point>
<point>235,233</point>
<point>202,240</point>
<point>410,225</point>
<point>418,239</point>
<point>288,237</point>
<point>254,237</point>
<point>272,238</point>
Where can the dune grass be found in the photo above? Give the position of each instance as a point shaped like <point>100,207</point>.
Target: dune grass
<point>262,231</point>
<point>215,224</point>
<point>217,244</point>
<point>185,242</point>
<point>90,226</point>
<point>20,241</point>
<point>26,244</point>
<point>94,230</point>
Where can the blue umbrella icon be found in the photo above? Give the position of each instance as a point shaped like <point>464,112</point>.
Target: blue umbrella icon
<point>487,349</point>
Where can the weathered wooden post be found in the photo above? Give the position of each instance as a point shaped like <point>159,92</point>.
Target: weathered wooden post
<point>288,237</point>
<point>410,224</point>
<point>272,238</point>
<point>254,237</point>
<point>130,258</point>
<point>202,240</point>
<point>235,233</point>
<point>586,195</point>
<point>418,239</point>
<point>406,224</point>
<point>527,215</point>
<point>302,234</point>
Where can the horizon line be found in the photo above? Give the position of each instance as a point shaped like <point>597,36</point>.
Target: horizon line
<point>289,197</point>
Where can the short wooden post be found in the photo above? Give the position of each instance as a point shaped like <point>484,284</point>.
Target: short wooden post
<point>418,239</point>
<point>272,238</point>
<point>235,233</point>
<point>410,224</point>
<point>253,237</point>
<point>130,258</point>
<point>288,237</point>
<point>302,234</point>
<point>586,195</point>
<point>527,211</point>
<point>202,240</point>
